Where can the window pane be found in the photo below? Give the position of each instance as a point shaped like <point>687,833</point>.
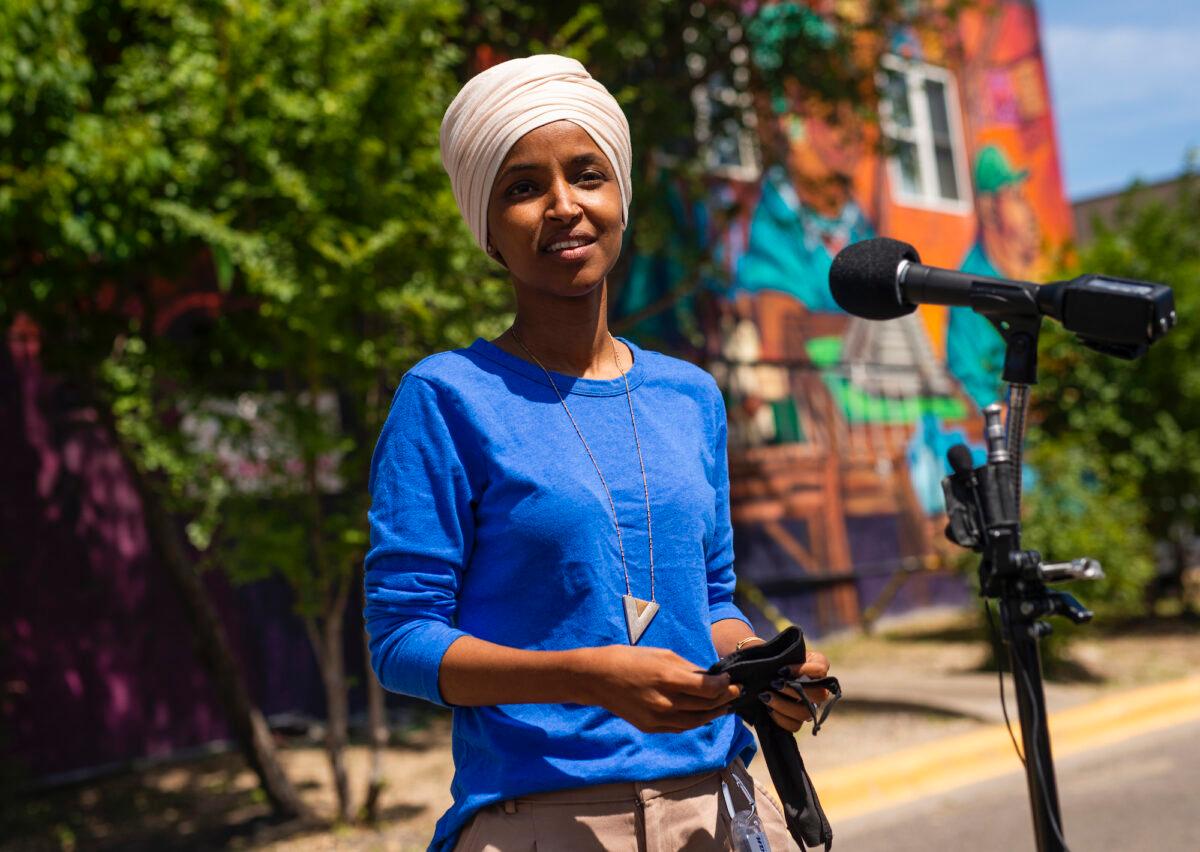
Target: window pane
<point>895,92</point>
<point>910,171</point>
<point>947,180</point>
<point>935,93</point>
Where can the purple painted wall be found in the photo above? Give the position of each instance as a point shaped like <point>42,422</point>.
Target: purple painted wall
<point>96,664</point>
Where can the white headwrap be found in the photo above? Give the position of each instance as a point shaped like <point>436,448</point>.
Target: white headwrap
<point>500,105</point>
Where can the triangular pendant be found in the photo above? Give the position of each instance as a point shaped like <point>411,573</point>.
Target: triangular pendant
<point>638,615</point>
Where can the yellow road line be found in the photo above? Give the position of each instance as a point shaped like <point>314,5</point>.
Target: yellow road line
<point>919,771</point>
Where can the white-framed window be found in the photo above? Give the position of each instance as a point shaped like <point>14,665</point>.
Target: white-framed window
<point>920,117</point>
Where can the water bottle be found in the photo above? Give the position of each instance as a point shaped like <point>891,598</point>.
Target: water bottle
<point>747,829</point>
<point>748,833</point>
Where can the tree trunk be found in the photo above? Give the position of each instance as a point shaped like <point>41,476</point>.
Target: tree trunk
<point>377,723</point>
<point>377,737</point>
<point>211,645</point>
<point>325,632</point>
<point>327,643</point>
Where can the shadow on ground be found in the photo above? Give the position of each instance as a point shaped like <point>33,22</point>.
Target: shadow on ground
<point>199,805</point>
<point>1184,624</point>
<point>202,803</point>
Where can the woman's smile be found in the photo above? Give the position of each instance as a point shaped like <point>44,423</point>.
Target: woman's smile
<point>572,247</point>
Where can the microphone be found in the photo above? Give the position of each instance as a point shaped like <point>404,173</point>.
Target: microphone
<point>959,489</point>
<point>883,279</point>
<point>960,460</point>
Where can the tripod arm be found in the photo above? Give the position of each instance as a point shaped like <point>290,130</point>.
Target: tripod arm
<point>1084,568</point>
<point>1056,603</point>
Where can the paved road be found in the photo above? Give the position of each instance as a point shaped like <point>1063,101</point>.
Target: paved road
<point>1141,795</point>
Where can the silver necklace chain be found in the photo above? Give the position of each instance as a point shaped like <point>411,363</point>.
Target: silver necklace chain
<point>637,441</point>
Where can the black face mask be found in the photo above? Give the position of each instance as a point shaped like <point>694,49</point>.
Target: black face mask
<point>759,668</point>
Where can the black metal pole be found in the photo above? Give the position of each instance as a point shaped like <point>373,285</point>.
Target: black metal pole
<point>1022,634</point>
<point>1023,596</point>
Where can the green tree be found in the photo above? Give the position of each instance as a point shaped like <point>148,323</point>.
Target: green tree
<point>1136,422</point>
<point>341,229</point>
<point>1078,509</point>
<point>281,157</point>
<point>81,247</point>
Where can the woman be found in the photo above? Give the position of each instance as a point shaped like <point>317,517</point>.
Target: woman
<point>551,552</point>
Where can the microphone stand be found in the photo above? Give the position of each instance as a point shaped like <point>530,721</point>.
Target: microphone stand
<point>983,505</point>
<point>884,279</point>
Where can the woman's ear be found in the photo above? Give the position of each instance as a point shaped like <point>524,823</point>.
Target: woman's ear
<point>495,255</point>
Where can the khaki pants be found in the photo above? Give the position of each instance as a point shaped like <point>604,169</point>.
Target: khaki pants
<point>674,814</point>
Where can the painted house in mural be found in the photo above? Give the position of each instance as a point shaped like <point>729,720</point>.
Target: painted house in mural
<point>839,426</point>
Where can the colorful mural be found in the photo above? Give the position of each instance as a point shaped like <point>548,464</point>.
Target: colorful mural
<point>839,426</point>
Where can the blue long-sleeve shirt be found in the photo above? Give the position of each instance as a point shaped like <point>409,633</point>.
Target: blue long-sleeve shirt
<point>488,519</point>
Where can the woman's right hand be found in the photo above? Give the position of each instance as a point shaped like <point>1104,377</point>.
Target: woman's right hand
<point>655,690</point>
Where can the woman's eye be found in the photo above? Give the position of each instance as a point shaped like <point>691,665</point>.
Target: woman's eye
<point>591,177</point>
<point>519,188</point>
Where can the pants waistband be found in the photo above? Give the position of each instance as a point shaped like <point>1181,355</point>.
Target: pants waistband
<point>621,791</point>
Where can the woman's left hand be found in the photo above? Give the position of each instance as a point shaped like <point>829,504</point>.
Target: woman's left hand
<point>787,710</point>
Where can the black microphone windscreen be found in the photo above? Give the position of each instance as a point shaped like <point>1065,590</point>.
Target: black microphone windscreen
<point>863,278</point>
<point>960,459</point>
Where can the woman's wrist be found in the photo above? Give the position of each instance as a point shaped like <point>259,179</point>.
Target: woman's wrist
<point>728,632</point>
<point>749,640</point>
<point>476,673</point>
<point>579,669</point>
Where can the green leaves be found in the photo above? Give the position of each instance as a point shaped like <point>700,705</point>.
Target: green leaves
<point>1132,427</point>
<point>275,162</point>
<point>1077,508</point>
